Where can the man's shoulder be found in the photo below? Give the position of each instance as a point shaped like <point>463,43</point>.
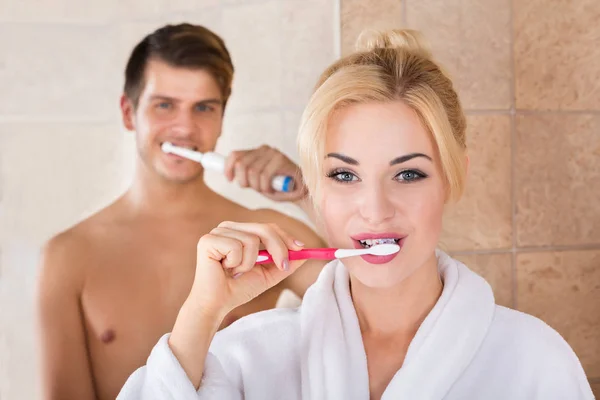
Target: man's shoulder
<point>238,213</point>
<point>289,224</point>
<point>80,234</point>
<point>79,241</point>
<point>233,211</point>
<point>269,215</point>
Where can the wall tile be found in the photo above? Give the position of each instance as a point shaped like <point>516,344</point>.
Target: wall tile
<point>563,289</point>
<point>556,54</point>
<point>596,390</point>
<point>358,15</point>
<point>305,52</point>
<point>56,173</point>
<point>57,11</point>
<point>141,10</point>
<point>556,168</point>
<point>18,345</point>
<point>58,71</point>
<point>482,218</point>
<point>472,40</point>
<point>496,269</point>
<point>257,82</point>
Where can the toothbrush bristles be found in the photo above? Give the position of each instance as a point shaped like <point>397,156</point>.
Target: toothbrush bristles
<point>384,249</point>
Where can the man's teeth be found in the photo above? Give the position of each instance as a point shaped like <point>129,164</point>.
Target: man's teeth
<point>195,148</point>
<point>372,242</point>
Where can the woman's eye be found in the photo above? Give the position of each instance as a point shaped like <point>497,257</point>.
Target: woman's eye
<point>342,176</point>
<point>410,176</point>
<point>163,105</point>
<point>346,176</point>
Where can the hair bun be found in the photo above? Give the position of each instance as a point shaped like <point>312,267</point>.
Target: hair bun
<point>406,39</point>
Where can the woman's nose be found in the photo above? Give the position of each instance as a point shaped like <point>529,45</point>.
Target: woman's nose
<point>376,206</point>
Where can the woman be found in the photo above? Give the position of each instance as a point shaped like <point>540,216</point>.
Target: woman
<point>382,147</point>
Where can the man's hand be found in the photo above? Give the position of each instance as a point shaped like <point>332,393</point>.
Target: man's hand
<point>256,169</point>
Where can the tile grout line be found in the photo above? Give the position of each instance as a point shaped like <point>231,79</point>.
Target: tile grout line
<point>513,110</point>
<point>480,252</point>
<point>116,118</point>
<point>560,112</point>
<point>530,249</point>
<point>292,108</point>
<point>92,24</point>
<point>487,111</point>
<point>56,119</point>
<point>513,135</point>
<point>563,248</point>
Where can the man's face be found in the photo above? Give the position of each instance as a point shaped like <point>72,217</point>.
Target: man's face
<point>178,105</point>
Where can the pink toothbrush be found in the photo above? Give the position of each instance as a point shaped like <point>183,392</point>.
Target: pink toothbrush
<point>329,254</point>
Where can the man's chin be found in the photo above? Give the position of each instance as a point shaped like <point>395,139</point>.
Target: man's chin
<point>181,178</point>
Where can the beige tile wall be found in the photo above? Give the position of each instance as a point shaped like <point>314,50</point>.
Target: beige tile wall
<point>529,77</point>
<point>596,389</point>
<point>561,287</point>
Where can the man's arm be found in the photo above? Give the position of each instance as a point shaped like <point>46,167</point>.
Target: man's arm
<point>306,205</point>
<point>306,275</point>
<point>65,365</point>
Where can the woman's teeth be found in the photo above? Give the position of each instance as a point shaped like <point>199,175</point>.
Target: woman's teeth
<point>372,242</point>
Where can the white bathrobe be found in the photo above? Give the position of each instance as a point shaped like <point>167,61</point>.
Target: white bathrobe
<point>467,348</point>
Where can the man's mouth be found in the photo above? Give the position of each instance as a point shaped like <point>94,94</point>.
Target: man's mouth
<point>182,145</point>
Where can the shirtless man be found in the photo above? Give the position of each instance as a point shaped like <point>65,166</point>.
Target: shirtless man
<point>113,284</point>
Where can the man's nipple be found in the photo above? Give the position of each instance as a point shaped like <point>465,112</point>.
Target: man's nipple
<point>108,336</point>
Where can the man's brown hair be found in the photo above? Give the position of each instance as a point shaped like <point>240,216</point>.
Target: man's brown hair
<point>183,45</point>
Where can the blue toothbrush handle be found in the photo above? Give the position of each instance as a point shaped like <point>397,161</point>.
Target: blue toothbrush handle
<point>282,183</point>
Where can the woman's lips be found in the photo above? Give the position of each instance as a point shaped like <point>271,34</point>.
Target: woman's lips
<point>371,259</point>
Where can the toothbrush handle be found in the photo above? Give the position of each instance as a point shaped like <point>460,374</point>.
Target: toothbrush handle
<point>318,254</point>
<point>216,162</point>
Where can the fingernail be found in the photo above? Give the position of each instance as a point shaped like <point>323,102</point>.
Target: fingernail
<point>299,243</point>
<point>238,275</point>
<point>286,265</point>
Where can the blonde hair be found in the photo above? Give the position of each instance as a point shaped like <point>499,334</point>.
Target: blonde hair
<point>387,66</point>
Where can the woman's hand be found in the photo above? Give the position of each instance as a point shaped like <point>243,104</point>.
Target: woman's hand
<point>227,276</point>
<point>226,272</point>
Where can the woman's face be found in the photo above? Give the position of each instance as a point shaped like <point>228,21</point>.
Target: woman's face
<point>381,181</point>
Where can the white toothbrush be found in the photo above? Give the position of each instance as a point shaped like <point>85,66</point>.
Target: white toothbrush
<point>385,249</point>
<point>216,162</point>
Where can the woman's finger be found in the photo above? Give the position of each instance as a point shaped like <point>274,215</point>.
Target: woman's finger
<point>250,247</point>
<point>276,241</point>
